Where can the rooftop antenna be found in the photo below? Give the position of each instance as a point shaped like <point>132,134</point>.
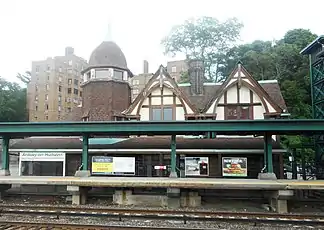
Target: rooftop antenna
<point>109,33</point>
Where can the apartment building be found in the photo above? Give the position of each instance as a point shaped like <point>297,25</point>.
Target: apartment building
<point>139,81</point>
<point>54,90</point>
<point>176,68</point>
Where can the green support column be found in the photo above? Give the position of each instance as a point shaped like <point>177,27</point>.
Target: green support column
<point>268,148</point>
<point>5,153</point>
<point>85,147</point>
<point>265,155</point>
<point>173,156</point>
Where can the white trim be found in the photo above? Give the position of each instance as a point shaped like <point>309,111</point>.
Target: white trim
<point>152,150</point>
<point>268,81</point>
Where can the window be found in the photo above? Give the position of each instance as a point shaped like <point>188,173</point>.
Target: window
<point>46,97</point>
<point>59,98</point>
<point>37,69</point>
<point>46,107</point>
<point>69,90</point>
<point>156,114</point>
<point>36,98</point>
<point>48,68</point>
<point>167,114</point>
<point>76,91</point>
<point>36,88</point>
<point>60,79</point>
<point>85,119</point>
<point>47,87</point>
<point>135,82</point>
<point>48,77</point>
<point>118,75</point>
<point>60,88</point>
<point>238,112</point>
<point>76,82</point>
<point>69,109</point>
<point>36,108</point>
<point>46,117</point>
<point>159,114</point>
<point>69,81</point>
<point>80,93</point>
<point>174,69</point>
<point>70,63</point>
<point>135,91</point>
<point>59,108</point>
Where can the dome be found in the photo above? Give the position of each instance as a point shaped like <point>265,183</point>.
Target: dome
<point>107,54</point>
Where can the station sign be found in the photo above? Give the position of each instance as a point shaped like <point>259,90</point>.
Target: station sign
<point>234,166</point>
<point>106,165</point>
<point>42,156</point>
<point>29,160</point>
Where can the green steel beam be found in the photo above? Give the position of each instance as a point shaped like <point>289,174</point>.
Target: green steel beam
<point>268,148</point>
<point>173,154</point>
<point>5,153</point>
<point>281,126</point>
<point>85,147</point>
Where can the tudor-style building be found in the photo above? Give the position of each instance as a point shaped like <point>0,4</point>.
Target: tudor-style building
<point>107,96</point>
<point>239,97</point>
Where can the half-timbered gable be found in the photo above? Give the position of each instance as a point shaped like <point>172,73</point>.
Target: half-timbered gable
<point>161,99</point>
<point>241,97</point>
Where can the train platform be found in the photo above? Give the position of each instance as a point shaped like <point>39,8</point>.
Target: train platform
<point>165,182</point>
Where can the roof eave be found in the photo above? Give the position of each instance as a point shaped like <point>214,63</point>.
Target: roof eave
<point>310,46</point>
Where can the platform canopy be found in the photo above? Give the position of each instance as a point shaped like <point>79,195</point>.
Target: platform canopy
<point>122,128</point>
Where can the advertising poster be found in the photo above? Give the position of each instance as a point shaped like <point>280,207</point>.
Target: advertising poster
<point>196,166</point>
<point>105,165</point>
<point>234,166</point>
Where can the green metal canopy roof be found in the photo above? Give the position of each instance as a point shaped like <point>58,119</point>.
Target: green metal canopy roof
<point>309,49</point>
<point>120,128</point>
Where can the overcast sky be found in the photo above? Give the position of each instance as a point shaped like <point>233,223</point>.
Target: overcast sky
<point>37,29</point>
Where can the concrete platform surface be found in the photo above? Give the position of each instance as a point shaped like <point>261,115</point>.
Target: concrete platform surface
<point>165,182</point>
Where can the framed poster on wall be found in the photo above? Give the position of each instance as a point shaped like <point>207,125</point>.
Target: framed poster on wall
<point>234,166</point>
<point>106,165</point>
<point>196,166</point>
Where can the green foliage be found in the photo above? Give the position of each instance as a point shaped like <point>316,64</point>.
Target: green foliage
<point>13,100</point>
<point>205,39</point>
<point>281,61</point>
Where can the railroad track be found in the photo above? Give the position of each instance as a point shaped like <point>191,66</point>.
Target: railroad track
<point>55,226</point>
<point>178,215</point>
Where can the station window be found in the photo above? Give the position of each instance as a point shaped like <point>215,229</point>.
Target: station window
<point>162,114</point>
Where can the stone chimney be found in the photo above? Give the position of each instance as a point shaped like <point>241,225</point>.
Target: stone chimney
<point>69,51</point>
<point>196,76</point>
<point>145,66</point>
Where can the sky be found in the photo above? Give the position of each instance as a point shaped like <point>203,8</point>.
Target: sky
<point>36,29</point>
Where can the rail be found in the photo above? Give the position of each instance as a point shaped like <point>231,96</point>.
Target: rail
<point>184,216</point>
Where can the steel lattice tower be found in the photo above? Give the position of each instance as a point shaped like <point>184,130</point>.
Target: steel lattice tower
<point>315,51</point>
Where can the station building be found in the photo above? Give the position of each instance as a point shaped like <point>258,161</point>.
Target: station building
<point>107,97</point>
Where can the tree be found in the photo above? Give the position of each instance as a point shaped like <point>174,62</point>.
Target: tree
<point>12,102</point>
<point>25,78</point>
<point>283,62</point>
<point>205,39</point>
